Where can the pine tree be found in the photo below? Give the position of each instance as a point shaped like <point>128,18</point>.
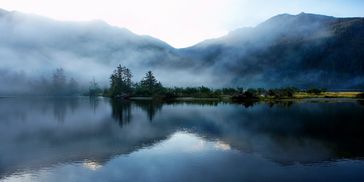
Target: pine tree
<point>121,83</point>
<point>149,81</point>
<point>127,81</point>
<point>149,85</point>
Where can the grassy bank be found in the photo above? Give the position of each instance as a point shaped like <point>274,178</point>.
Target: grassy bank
<point>297,95</point>
<point>302,95</point>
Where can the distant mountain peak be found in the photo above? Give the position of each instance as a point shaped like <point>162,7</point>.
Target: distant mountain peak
<point>301,19</point>
<point>313,16</point>
<point>300,15</point>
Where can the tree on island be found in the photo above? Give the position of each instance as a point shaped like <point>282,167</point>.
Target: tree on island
<point>149,81</point>
<point>121,84</point>
<point>149,86</point>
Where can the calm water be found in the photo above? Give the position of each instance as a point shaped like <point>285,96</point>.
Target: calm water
<point>82,139</point>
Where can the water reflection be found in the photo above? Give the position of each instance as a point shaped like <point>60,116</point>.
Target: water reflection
<point>94,103</point>
<point>121,111</point>
<point>79,133</point>
<point>150,107</point>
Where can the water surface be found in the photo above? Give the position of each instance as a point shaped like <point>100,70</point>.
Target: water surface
<point>83,139</point>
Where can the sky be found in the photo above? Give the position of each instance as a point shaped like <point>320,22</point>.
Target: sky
<point>181,23</point>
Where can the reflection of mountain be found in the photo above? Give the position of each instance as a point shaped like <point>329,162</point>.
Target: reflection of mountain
<point>303,132</point>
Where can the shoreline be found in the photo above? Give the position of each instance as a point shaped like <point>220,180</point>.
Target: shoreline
<point>229,98</point>
<point>296,96</point>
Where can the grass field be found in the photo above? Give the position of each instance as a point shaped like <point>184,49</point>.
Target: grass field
<point>300,95</point>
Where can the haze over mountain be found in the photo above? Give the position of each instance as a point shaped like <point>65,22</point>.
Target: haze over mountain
<point>304,50</point>
<point>33,46</point>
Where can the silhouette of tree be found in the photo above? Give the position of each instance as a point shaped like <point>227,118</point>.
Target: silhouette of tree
<point>121,83</point>
<point>149,86</point>
<point>149,81</point>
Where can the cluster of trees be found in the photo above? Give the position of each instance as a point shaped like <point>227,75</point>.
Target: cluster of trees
<point>121,84</point>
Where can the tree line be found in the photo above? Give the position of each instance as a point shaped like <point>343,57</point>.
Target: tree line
<point>122,86</point>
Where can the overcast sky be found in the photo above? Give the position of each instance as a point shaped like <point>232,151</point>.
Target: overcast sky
<point>181,23</point>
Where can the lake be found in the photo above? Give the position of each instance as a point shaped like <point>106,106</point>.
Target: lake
<point>98,139</point>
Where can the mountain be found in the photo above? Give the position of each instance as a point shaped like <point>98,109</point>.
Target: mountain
<point>304,50</point>
<point>32,46</point>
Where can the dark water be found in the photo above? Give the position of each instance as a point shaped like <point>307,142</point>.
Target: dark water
<point>82,139</point>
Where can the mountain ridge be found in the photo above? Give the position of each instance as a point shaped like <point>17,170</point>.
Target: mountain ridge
<point>304,50</point>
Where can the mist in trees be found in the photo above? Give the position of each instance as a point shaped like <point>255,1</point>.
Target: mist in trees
<point>60,85</point>
<point>55,84</point>
<point>94,88</point>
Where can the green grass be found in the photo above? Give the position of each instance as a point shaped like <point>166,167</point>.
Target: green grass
<point>302,95</point>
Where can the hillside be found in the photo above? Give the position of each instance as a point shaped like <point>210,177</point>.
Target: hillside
<point>304,50</point>
<point>32,47</point>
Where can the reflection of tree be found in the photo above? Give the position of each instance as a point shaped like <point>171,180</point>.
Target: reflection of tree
<point>60,106</point>
<point>361,102</point>
<point>194,102</point>
<point>59,110</point>
<point>121,110</point>
<point>248,103</point>
<point>285,104</point>
<point>150,107</point>
<point>94,102</point>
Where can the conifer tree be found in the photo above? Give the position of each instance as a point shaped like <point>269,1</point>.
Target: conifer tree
<point>121,83</point>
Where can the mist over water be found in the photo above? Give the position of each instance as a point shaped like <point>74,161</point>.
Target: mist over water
<point>82,139</point>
